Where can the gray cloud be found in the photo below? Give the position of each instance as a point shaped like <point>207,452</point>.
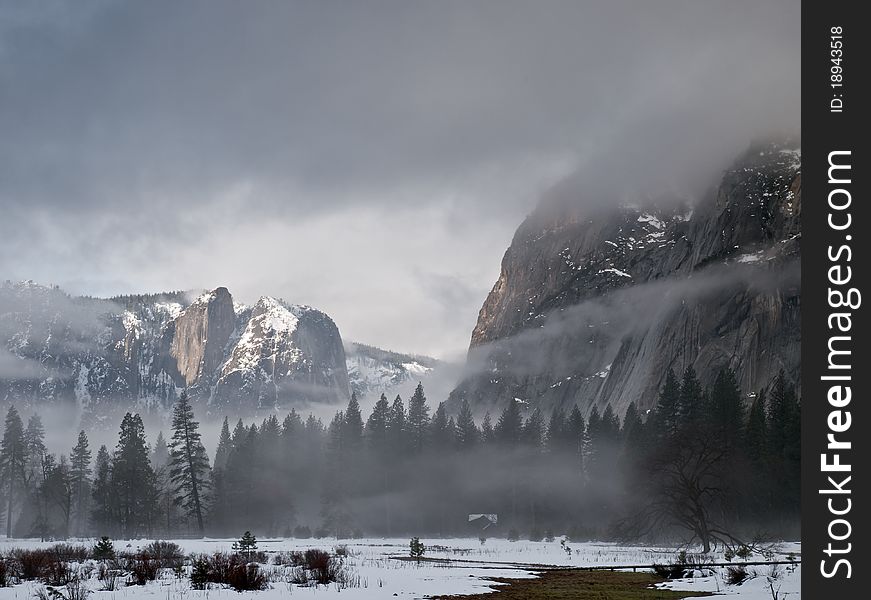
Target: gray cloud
<point>354,155</point>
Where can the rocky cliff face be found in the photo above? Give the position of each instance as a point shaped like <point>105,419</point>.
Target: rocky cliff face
<point>374,371</point>
<point>200,333</point>
<point>594,305</point>
<point>99,357</point>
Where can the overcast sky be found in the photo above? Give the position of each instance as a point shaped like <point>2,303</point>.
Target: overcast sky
<point>372,159</point>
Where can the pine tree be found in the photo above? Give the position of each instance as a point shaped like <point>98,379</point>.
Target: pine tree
<point>103,511</point>
<point>80,473</point>
<point>510,425</point>
<point>467,431</point>
<point>377,428</point>
<point>756,433</point>
<point>418,419</point>
<point>225,443</point>
<point>13,457</point>
<point>353,425</point>
<point>442,430</point>
<point>725,413</point>
<point>692,400</point>
<point>188,463</point>
<point>58,489</point>
<point>397,427</point>
<point>556,431</point>
<point>667,414</point>
<point>533,430</point>
<point>133,480</point>
<point>488,435</point>
<point>160,454</point>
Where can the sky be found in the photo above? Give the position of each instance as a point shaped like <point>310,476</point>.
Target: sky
<point>372,159</point>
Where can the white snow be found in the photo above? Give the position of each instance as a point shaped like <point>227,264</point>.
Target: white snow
<point>653,220</point>
<point>171,309</point>
<point>616,272</point>
<point>271,323</point>
<point>467,568</point>
<point>750,258</point>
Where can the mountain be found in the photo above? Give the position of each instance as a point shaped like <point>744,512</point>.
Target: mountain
<point>594,303</point>
<point>100,357</point>
<point>373,371</point>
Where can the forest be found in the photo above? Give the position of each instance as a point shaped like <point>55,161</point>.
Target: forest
<point>715,467</point>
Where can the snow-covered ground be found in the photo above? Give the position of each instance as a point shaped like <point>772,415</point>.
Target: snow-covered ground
<point>468,565</point>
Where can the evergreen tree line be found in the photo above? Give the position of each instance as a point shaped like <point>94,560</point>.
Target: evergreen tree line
<point>411,469</point>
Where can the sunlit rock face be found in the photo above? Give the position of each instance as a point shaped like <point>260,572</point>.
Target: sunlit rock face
<point>594,304</point>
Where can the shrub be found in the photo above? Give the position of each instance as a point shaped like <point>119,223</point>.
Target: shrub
<point>75,589</point>
<point>57,572</point>
<point>143,568</point>
<point>4,573</point>
<point>247,577</point>
<point>302,532</point>
<point>103,550</point>
<point>513,536</point>
<point>32,564</point>
<point>319,564</point>
<point>168,555</point>
<point>342,550</point>
<point>548,536</point>
<point>735,575</point>
<point>535,535</point>
<point>744,552</point>
<point>71,553</point>
<point>108,577</point>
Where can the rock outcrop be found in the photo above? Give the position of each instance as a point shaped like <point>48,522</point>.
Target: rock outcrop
<point>97,358</point>
<point>594,305</point>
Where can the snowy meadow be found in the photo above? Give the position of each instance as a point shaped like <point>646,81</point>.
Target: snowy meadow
<point>363,568</point>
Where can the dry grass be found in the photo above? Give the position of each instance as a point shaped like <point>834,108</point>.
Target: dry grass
<point>582,585</point>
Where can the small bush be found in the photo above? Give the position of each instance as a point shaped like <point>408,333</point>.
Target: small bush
<point>71,553</point>
<point>168,555</point>
<point>548,536</point>
<point>319,564</point>
<point>513,535</point>
<point>57,573</point>
<point>143,568</point>
<point>4,572</point>
<point>744,552</point>
<point>342,551</point>
<point>108,577</point>
<point>302,532</point>
<point>247,577</point>
<point>75,589</point>
<point>33,564</point>
<point>535,535</point>
<point>736,575</point>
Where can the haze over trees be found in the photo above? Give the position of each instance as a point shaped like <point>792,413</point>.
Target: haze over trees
<point>712,466</point>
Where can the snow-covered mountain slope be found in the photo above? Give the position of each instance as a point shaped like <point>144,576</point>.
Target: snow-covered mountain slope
<point>373,371</point>
<point>594,303</point>
<point>100,357</point>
